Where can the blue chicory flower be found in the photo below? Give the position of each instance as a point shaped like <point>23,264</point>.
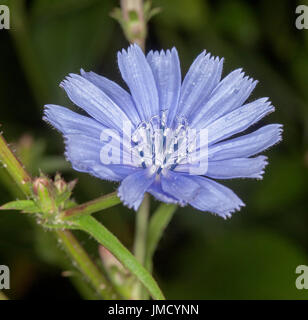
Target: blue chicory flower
<point>159,101</point>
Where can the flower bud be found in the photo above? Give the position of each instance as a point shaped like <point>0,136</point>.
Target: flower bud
<point>44,190</point>
<point>60,184</point>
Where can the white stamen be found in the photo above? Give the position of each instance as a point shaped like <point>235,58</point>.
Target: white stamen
<point>159,147</point>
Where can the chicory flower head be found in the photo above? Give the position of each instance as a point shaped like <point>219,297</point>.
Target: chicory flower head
<point>168,137</point>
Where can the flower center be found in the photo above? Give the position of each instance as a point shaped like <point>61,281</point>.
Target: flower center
<point>159,147</point>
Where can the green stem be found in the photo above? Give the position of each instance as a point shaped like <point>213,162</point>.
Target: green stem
<point>142,217</point>
<point>86,265</point>
<point>15,168</point>
<point>92,206</point>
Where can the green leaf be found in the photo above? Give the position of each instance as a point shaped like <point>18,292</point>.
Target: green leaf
<point>110,242</point>
<point>28,206</point>
<point>92,206</point>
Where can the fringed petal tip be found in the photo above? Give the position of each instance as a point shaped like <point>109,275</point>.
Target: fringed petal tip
<point>133,47</point>
<point>132,189</point>
<point>50,117</point>
<point>228,214</point>
<point>208,56</point>
<point>163,52</point>
<point>279,132</point>
<point>64,83</point>
<point>267,102</point>
<point>71,76</point>
<point>134,206</point>
<point>262,168</point>
<point>48,109</point>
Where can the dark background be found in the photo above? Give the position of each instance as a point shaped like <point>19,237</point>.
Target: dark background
<point>251,256</point>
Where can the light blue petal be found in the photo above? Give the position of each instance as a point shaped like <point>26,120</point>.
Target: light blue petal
<point>117,94</point>
<point>201,78</point>
<point>138,75</point>
<point>94,101</point>
<point>133,187</point>
<point>247,145</point>
<point>113,172</point>
<point>69,122</point>
<point>157,191</point>
<point>84,154</point>
<point>167,73</point>
<point>237,168</point>
<point>179,186</point>
<point>83,145</point>
<point>238,120</point>
<point>228,169</point>
<point>229,94</point>
<point>214,197</point>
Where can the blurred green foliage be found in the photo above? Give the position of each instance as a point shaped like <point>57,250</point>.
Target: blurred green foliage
<point>253,255</point>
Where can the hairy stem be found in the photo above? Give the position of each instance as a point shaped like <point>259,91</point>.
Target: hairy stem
<point>86,265</point>
<point>15,168</point>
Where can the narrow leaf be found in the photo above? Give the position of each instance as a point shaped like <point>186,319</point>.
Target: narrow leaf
<point>23,205</point>
<point>110,242</point>
<point>90,207</point>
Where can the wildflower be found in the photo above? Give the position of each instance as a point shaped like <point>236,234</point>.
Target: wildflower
<point>160,102</point>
